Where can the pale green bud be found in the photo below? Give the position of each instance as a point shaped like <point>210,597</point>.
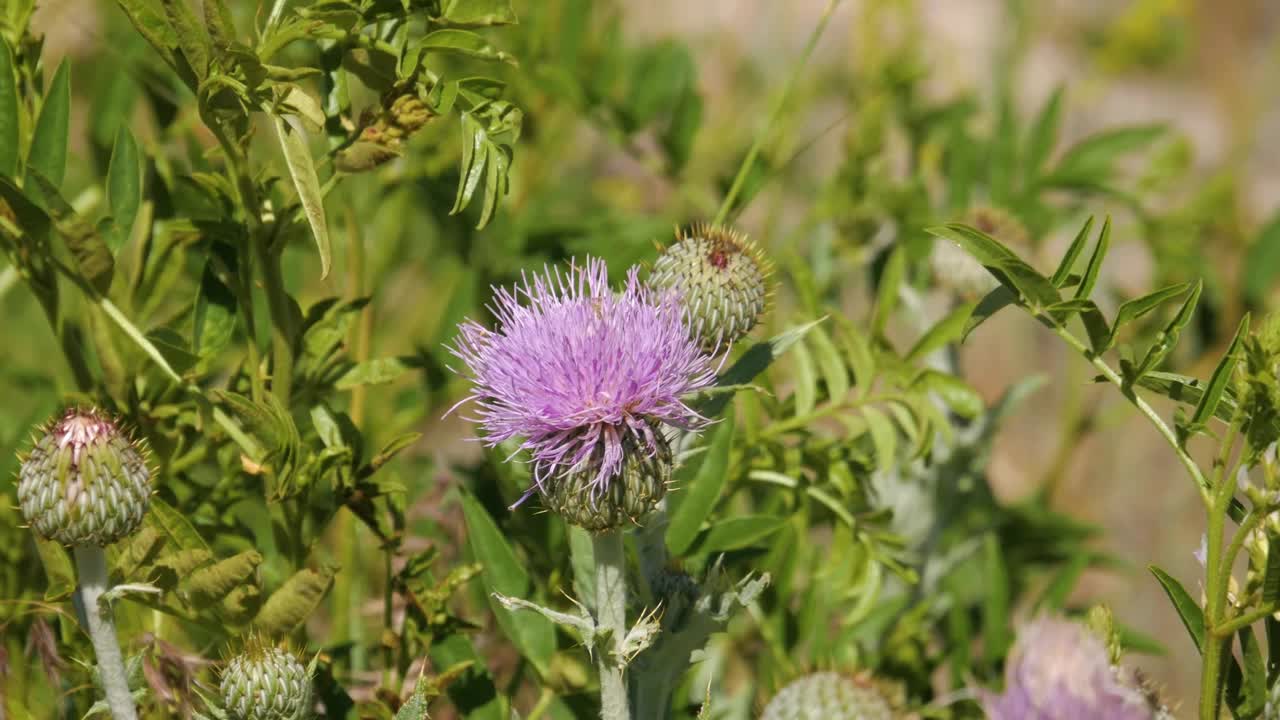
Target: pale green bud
<point>85,481</point>
<point>266,683</point>
<point>829,696</point>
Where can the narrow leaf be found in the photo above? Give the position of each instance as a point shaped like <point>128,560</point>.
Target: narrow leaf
<point>947,330</point>
<point>1043,134</point>
<point>1085,288</point>
<point>996,596</point>
<point>995,301</point>
<point>737,533</point>
<point>1220,379</point>
<point>124,187</point>
<point>48,154</point>
<point>1188,610</point>
<point>9,148</point>
<point>297,156</point>
<point>887,291</point>
<point>1068,261</point>
<point>1169,336</point>
<point>693,500</point>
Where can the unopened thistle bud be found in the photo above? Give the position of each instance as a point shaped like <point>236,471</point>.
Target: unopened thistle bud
<point>829,696</point>
<point>85,481</point>
<point>626,499</point>
<point>956,270</point>
<point>721,277</point>
<point>266,683</point>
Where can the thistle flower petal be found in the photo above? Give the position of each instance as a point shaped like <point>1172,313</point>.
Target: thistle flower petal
<point>581,375</point>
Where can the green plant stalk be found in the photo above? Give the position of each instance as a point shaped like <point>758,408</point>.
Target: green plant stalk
<point>611,618</point>
<point>91,565</point>
<point>774,115</point>
<point>281,322</point>
<point>1218,573</point>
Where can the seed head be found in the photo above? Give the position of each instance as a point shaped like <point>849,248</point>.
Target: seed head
<point>829,696</point>
<point>721,277</point>
<point>586,379</point>
<point>266,683</point>
<point>85,481</point>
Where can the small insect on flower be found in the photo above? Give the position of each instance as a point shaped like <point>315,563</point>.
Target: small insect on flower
<point>587,380</point>
<point>85,481</point>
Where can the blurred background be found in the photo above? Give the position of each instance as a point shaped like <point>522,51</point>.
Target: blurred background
<point>1201,199</point>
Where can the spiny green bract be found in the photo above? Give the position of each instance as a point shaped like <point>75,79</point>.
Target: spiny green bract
<point>626,499</point>
<point>828,696</point>
<point>721,276</point>
<point>266,683</point>
<point>85,481</point>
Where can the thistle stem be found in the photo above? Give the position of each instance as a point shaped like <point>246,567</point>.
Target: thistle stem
<point>611,617</point>
<point>91,564</point>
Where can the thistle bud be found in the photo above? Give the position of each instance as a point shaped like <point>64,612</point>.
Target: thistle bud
<point>85,481</point>
<point>721,277</point>
<point>625,498</point>
<point>266,683</point>
<point>956,270</point>
<point>829,696</point>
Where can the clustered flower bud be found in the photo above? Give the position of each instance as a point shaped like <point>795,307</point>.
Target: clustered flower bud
<point>959,272</point>
<point>84,481</point>
<point>721,277</point>
<point>829,696</point>
<point>625,500</point>
<point>383,133</point>
<point>266,683</point>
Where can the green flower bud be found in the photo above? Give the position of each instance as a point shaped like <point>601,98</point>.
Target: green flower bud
<point>266,683</point>
<point>828,696</point>
<point>956,270</point>
<point>722,280</point>
<point>85,481</point>
<point>627,498</point>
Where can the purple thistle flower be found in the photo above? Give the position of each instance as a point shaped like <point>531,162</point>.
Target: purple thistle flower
<point>1060,670</point>
<point>572,369</point>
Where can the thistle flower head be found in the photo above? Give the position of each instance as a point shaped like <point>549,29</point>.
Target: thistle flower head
<point>829,696</point>
<point>583,377</point>
<point>84,481</point>
<point>1059,670</point>
<point>722,280</point>
<point>266,683</point>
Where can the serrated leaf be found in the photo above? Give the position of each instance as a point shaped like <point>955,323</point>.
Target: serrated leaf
<point>1068,262</point>
<point>737,533</point>
<point>1188,610</point>
<point>124,187</point>
<point>372,372</point>
<point>297,156</point>
<point>295,601</point>
<point>503,573</point>
<point>215,316</point>
<point>10,150</point>
<point>698,489</point>
<point>48,153</point>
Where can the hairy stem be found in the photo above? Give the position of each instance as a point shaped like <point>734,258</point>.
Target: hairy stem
<point>611,617</point>
<point>91,564</point>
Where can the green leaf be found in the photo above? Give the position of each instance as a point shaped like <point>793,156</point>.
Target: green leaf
<point>1220,379</point>
<point>57,568</point>
<point>174,527</point>
<point>295,601</point>
<point>995,301</point>
<point>192,39</point>
<point>1136,308</point>
<point>1247,691</point>
<point>9,147</point>
<point>504,573</point>
<point>806,380</point>
<point>150,21</point>
<point>124,187</point>
<point>297,156</point>
<point>1035,290</point>
<point>1169,336</point>
<point>737,533</point>
<point>460,42</point>
<point>956,393</point>
<point>475,13</point>
<point>1186,390</point>
<point>694,498</point>
<point>883,437</point>
<point>753,362</point>
<point>215,316</point>
<point>887,291</point>
<point>1068,262</point>
<point>210,584</point>
<point>372,372</point>
<point>1085,288</point>
<point>48,154</point>
<point>834,373</point>
<point>1271,580</point>
<point>947,330</point>
<point>1092,157</point>
<point>1260,269</point>
<point>139,338</point>
<point>1188,610</point>
<point>1043,134</point>
<point>995,604</point>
